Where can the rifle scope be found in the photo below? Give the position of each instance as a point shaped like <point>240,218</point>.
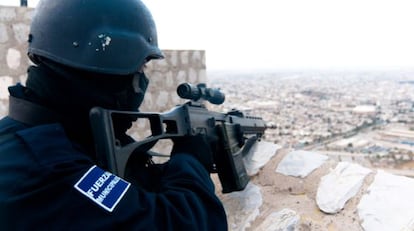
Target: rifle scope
<point>200,91</point>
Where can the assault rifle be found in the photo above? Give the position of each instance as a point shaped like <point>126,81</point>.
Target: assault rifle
<point>236,134</point>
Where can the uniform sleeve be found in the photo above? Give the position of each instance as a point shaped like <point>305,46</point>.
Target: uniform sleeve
<point>186,200</point>
<point>54,193</point>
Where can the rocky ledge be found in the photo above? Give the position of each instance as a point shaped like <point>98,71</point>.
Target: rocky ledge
<point>302,190</point>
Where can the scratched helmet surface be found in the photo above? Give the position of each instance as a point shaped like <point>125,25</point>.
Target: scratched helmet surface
<point>105,36</point>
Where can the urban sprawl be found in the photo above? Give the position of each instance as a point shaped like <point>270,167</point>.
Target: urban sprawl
<point>363,116</point>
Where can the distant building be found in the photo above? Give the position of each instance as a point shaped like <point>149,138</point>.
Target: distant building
<point>398,134</point>
<point>365,109</point>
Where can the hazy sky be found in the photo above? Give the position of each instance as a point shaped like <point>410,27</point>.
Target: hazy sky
<point>274,34</point>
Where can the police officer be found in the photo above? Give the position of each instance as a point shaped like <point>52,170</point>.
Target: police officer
<point>85,54</point>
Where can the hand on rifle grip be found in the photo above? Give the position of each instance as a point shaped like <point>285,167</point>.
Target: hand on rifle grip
<point>199,146</point>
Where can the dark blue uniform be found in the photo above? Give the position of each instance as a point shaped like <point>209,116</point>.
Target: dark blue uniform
<point>47,183</point>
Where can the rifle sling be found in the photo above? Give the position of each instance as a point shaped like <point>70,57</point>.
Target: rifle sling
<point>30,113</point>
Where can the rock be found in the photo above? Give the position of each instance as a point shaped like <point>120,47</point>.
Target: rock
<point>284,220</point>
<point>244,206</point>
<point>260,154</point>
<point>388,204</point>
<point>300,163</point>
<point>336,188</point>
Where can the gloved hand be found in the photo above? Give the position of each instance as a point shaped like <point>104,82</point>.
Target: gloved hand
<point>143,172</point>
<point>198,146</point>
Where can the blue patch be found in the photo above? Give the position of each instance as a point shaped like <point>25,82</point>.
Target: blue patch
<point>104,188</point>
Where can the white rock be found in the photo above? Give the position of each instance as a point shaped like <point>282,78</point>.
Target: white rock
<point>21,31</point>
<point>300,163</point>
<point>389,203</point>
<point>3,33</point>
<point>284,220</point>
<point>5,82</point>
<point>13,58</point>
<point>181,76</point>
<point>259,155</point>
<point>202,76</point>
<point>242,207</point>
<point>341,184</point>
<point>174,58</point>
<point>184,56</point>
<point>192,75</point>
<point>7,14</point>
<point>162,98</point>
<point>197,57</point>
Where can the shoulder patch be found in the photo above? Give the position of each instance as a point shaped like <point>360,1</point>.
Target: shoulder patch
<point>103,188</point>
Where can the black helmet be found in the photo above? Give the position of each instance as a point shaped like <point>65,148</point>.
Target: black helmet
<point>106,36</point>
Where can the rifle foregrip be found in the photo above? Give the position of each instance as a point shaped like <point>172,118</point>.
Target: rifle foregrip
<point>229,160</point>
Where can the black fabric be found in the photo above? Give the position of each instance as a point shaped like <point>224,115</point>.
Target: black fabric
<point>39,167</point>
<point>71,94</point>
<point>30,113</point>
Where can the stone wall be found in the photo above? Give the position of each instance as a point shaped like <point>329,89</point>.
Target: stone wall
<point>165,75</point>
<point>14,28</point>
<point>178,66</point>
